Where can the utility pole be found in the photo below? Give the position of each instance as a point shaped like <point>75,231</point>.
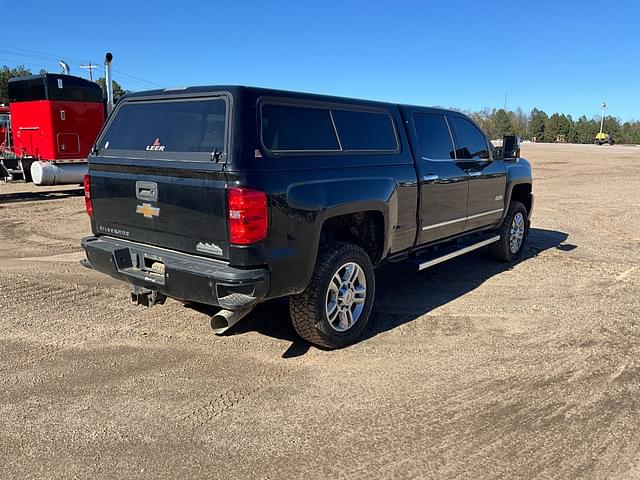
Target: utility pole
<point>90,67</point>
<point>604,109</point>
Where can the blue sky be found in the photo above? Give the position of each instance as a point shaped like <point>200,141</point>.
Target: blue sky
<point>559,56</point>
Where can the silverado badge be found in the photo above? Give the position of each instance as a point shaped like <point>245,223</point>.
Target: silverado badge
<point>147,210</point>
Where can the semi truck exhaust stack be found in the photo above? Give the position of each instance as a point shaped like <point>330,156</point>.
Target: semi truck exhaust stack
<point>60,173</point>
<point>108,81</point>
<point>65,67</point>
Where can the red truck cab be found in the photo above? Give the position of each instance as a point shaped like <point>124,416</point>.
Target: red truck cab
<point>55,120</point>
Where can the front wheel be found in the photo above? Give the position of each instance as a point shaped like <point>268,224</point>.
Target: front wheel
<point>334,309</point>
<point>513,233</point>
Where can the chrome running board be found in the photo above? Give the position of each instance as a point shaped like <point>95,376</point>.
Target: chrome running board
<point>457,251</point>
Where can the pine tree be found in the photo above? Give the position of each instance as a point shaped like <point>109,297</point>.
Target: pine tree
<point>555,127</point>
<point>537,124</point>
<point>501,124</point>
<point>7,73</point>
<point>117,89</point>
<point>584,131</point>
<point>520,123</point>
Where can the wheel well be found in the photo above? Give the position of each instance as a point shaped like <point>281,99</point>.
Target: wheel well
<point>365,229</point>
<point>522,193</point>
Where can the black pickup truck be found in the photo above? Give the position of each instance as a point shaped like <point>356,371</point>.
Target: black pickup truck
<point>230,196</point>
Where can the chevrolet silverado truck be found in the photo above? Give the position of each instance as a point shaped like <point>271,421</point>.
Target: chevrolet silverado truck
<point>230,196</point>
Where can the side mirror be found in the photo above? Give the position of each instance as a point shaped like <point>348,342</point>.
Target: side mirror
<point>511,146</point>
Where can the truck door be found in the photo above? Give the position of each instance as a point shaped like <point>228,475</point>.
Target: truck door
<point>443,181</point>
<point>487,177</point>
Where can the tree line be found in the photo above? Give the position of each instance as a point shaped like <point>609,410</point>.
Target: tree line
<point>537,125</point>
<point>7,73</point>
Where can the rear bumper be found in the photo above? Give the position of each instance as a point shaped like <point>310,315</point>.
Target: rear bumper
<point>186,277</point>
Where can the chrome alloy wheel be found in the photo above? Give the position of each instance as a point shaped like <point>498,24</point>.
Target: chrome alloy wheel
<point>346,295</point>
<point>516,236</point>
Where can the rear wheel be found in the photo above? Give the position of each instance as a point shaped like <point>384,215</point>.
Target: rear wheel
<point>334,309</point>
<point>513,233</point>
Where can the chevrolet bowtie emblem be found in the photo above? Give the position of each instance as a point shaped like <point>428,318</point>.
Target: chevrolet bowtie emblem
<point>147,210</point>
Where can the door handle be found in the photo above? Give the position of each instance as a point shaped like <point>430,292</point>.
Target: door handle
<point>430,178</point>
<point>475,173</point>
<point>147,191</point>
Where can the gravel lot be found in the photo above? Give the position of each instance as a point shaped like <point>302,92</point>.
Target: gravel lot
<point>472,369</point>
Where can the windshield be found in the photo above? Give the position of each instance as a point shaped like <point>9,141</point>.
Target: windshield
<point>194,128</point>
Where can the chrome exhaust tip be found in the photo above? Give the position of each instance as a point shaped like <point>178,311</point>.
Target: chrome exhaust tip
<point>225,319</point>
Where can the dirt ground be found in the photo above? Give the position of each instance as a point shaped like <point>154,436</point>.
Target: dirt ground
<point>472,369</point>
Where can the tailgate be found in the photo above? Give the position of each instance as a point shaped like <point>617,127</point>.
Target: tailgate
<point>157,176</point>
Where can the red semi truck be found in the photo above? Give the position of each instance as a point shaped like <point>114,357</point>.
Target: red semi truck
<point>55,120</point>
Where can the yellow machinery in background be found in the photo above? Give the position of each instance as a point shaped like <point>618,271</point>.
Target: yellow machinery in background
<point>601,137</point>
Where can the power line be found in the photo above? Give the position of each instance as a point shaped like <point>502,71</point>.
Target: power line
<point>21,63</point>
<point>35,53</point>
<point>133,77</point>
<point>51,57</point>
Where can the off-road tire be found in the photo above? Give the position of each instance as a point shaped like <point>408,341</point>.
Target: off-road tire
<point>501,250</point>
<point>307,309</point>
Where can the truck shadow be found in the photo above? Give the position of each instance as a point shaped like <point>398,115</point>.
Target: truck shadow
<point>403,294</point>
<point>417,293</point>
<point>40,195</point>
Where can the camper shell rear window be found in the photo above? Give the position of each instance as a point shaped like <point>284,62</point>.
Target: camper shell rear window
<point>190,129</point>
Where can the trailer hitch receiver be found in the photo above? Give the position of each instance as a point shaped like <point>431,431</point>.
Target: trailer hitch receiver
<point>148,298</point>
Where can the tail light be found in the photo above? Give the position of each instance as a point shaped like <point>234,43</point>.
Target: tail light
<point>248,218</point>
<point>87,195</point>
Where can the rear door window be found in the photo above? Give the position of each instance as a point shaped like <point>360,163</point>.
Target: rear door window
<point>191,129</point>
<point>365,130</point>
<point>434,136</point>
<point>288,128</point>
<point>471,142</point>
